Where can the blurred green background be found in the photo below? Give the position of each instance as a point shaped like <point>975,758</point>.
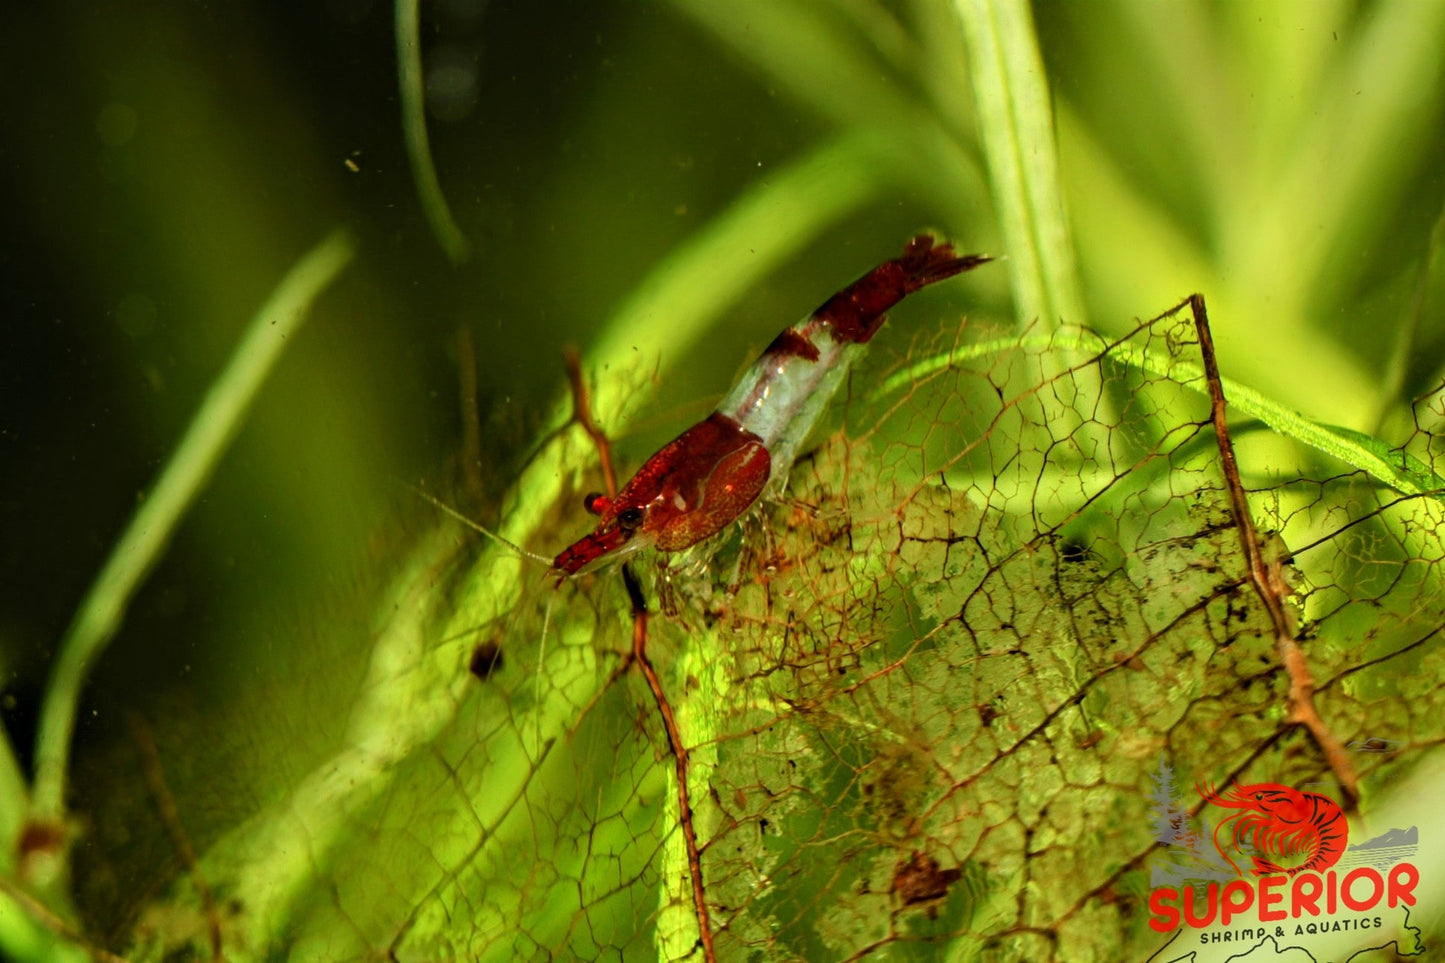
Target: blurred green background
<point>164,165</point>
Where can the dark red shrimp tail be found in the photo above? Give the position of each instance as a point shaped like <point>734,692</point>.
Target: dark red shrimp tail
<point>856,312</point>
<point>926,261</point>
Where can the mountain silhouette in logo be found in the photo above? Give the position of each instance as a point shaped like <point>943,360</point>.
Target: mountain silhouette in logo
<point>1395,837</point>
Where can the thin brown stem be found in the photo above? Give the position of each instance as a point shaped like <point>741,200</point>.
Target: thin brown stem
<point>582,414</point>
<point>155,778</point>
<point>52,921</point>
<point>680,760</point>
<point>471,418</point>
<point>1268,581</point>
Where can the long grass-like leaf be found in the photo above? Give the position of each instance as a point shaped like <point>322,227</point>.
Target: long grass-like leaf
<point>1399,470</point>
<point>14,801</point>
<point>1407,339</point>
<point>838,72</point>
<point>1016,124</point>
<point>103,609</point>
<point>24,937</point>
<point>412,88</point>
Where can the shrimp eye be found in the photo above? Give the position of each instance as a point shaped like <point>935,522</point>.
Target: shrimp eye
<point>629,518</point>
<point>596,503</point>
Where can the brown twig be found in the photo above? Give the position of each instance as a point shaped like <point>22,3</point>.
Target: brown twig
<point>680,759</point>
<point>582,414</point>
<point>52,921</point>
<point>1268,581</point>
<point>471,418</point>
<point>155,778</point>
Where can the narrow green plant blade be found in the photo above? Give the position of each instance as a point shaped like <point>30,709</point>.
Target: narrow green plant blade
<point>1017,128</point>
<point>1399,470</point>
<point>412,88</point>
<point>141,546</point>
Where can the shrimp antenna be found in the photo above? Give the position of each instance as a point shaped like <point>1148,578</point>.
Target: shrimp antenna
<point>506,543</point>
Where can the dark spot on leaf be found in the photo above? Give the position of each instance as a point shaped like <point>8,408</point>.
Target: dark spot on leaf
<point>486,659</point>
<point>919,879</point>
<point>1372,744</point>
<point>40,838</point>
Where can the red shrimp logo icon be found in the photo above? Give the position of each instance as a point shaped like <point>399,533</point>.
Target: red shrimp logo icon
<point>1274,824</point>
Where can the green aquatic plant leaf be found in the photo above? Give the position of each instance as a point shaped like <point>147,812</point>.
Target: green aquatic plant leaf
<point>924,695</point>
<point>195,458</point>
<point>1394,467</point>
<point>925,691</point>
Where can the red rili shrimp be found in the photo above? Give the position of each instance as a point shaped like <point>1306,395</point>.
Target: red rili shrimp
<point>707,477</point>
<point>1277,821</point>
<point>704,479</point>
